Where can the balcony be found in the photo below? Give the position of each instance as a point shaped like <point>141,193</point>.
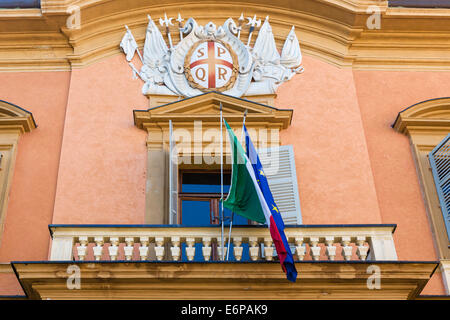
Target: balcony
<point>178,262</point>
<point>247,243</point>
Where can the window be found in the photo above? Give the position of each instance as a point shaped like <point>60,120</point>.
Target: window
<point>427,124</point>
<point>162,201</point>
<point>188,193</point>
<point>199,198</point>
<point>199,205</point>
<point>440,166</point>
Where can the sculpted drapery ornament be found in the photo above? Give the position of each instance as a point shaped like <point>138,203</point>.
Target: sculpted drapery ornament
<point>210,58</point>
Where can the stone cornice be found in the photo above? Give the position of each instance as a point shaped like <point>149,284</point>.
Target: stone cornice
<point>206,108</point>
<point>331,30</point>
<point>169,280</point>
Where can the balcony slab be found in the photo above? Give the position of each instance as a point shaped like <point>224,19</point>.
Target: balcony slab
<point>224,280</point>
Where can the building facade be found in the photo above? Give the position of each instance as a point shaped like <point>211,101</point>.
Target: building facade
<point>111,156</point>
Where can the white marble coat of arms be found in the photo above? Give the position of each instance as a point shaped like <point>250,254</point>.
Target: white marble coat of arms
<point>211,58</point>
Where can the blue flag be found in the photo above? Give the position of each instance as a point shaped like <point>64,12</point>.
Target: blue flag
<point>276,225</point>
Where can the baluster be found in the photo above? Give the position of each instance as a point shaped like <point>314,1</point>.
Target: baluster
<point>143,249</point>
<point>206,249</point>
<point>346,249</point>
<point>190,248</point>
<point>219,248</point>
<point>98,249</point>
<point>159,249</point>
<point>268,249</point>
<point>362,250</point>
<point>175,249</point>
<point>254,248</point>
<point>331,250</point>
<point>82,248</point>
<point>129,248</point>
<point>113,248</point>
<point>300,249</point>
<point>237,250</point>
<point>314,248</point>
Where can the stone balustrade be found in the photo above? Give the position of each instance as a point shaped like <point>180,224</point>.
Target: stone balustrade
<point>180,243</point>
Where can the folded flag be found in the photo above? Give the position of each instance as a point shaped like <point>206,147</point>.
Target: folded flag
<point>129,45</point>
<point>276,224</point>
<point>246,198</point>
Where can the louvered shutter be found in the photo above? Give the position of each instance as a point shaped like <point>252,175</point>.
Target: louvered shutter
<point>279,168</point>
<point>173,178</point>
<point>440,166</point>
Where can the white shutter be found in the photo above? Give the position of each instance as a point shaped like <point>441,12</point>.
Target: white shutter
<point>173,178</point>
<point>279,168</point>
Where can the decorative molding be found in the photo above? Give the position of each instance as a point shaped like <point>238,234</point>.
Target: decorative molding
<point>432,116</point>
<point>213,58</point>
<point>205,108</point>
<point>332,30</point>
<point>13,117</point>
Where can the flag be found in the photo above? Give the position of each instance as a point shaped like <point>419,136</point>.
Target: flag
<point>276,225</point>
<point>247,199</point>
<point>244,197</point>
<point>129,45</point>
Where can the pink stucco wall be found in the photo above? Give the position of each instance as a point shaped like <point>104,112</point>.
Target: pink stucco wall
<point>334,173</point>
<point>381,95</point>
<point>32,193</point>
<point>103,160</point>
<point>86,162</point>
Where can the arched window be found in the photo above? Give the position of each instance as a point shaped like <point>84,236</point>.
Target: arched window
<point>428,126</point>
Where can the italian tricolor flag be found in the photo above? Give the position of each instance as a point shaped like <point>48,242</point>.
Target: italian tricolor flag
<point>244,198</point>
<point>250,197</point>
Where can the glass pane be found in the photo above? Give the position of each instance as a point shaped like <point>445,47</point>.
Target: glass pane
<point>196,182</point>
<point>195,212</point>
<point>237,219</point>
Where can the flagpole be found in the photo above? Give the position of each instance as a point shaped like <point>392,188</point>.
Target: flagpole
<point>221,179</point>
<point>232,213</point>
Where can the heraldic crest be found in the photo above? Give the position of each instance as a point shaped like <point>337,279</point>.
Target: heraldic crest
<point>211,58</point>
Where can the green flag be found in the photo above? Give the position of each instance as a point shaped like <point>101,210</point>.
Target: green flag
<point>245,197</point>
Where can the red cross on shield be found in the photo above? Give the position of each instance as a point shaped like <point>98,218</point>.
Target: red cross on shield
<point>211,65</point>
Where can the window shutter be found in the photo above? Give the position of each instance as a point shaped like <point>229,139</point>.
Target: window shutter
<point>440,166</point>
<point>173,178</point>
<point>279,168</point>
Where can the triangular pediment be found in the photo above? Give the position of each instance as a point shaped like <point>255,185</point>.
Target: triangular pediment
<point>206,108</point>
